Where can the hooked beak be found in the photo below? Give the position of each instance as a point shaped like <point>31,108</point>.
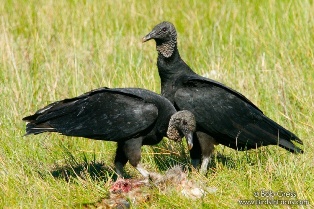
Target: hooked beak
<point>148,36</point>
<point>189,139</point>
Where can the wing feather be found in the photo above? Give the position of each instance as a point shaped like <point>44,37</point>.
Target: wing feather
<point>228,117</point>
<point>101,114</point>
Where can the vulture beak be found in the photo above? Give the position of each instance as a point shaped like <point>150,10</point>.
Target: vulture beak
<point>189,139</point>
<point>148,36</point>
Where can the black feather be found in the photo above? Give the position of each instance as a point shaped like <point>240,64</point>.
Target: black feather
<point>132,117</point>
<point>221,112</point>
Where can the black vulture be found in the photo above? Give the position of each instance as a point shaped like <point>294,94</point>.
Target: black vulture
<point>222,114</point>
<point>132,117</point>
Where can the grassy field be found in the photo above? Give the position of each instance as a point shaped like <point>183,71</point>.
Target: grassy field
<point>51,50</point>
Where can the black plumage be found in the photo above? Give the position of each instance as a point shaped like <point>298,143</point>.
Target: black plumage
<point>222,114</point>
<point>132,117</point>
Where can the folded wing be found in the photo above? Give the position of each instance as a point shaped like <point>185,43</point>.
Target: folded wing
<point>100,114</point>
<point>229,117</point>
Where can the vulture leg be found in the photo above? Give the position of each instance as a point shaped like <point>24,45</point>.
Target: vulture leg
<point>207,146</point>
<point>195,152</point>
<point>132,150</point>
<point>120,159</point>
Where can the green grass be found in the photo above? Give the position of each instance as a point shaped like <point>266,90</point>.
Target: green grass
<point>51,50</point>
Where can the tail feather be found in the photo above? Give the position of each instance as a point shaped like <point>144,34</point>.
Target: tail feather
<point>289,146</point>
<point>45,110</point>
<point>266,132</point>
<point>282,132</point>
<point>32,128</point>
<point>277,134</point>
<point>285,137</point>
<point>40,121</point>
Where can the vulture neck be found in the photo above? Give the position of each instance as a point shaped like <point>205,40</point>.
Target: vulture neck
<point>172,67</point>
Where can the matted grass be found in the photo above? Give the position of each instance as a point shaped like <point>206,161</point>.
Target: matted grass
<point>51,50</point>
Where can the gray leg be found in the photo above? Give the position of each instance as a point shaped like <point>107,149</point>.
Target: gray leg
<point>196,152</point>
<point>120,159</point>
<point>119,169</point>
<point>132,149</point>
<point>205,161</point>
<point>142,171</point>
<point>195,162</point>
<point>207,146</point>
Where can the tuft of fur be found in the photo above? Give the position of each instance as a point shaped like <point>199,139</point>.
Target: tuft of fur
<point>125,192</point>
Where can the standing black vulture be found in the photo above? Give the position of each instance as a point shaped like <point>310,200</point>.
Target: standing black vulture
<point>222,114</point>
<point>132,117</point>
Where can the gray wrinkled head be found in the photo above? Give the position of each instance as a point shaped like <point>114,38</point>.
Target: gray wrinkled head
<point>165,36</point>
<point>182,124</point>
